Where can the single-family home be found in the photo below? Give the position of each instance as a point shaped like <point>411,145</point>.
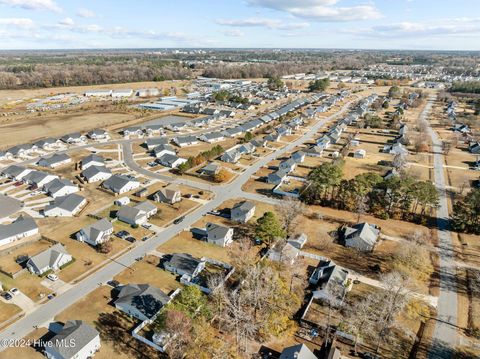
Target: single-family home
<point>169,160</point>
<point>277,177</point>
<point>273,137</point>
<point>211,137</point>
<point>233,132</point>
<point>22,227</point>
<point>362,236</point>
<point>120,184</point>
<point>360,153</point>
<point>98,134</point>
<point>142,301</point>
<point>242,211</point>
<point>177,126</point>
<point>473,148</point>
<point>210,170</point>
<point>246,148</point>
<point>47,143</point>
<point>151,143</point>
<point>149,208</point>
<point>122,201</point>
<point>184,264</point>
<point>60,188</point>
<point>231,156</point>
<point>122,93</point>
<point>323,142</point>
<point>298,156</point>
<point>132,131</point>
<point>170,194</point>
<point>259,142</point>
<point>85,337</point>
<point>327,277</point>
<point>92,160</point>
<point>298,241</point>
<point>66,206</point>
<point>38,179</point>
<point>96,233</point>
<point>132,215</point>
<point>154,130</point>
<point>283,252</point>
<point>16,172</point>
<point>96,173</point>
<point>299,351</point>
<point>74,138</point>
<point>284,131</point>
<point>183,141</point>
<point>288,165</point>
<point>50,259</point>
<point>219,235</point>
<point>161,150</point>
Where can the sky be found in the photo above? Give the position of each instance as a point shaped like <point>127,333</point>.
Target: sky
<point>349,24</point>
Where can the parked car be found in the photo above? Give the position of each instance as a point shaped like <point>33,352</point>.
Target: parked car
<point>179,220</point>
<point>147,225</point>
<point>51,296</point>
<point>122,234</point>
<point>6,296</point>
<point>52,277</point>
<point>130,239</point>
<point>152,164</point>
<point>14,291</point>
<point>144,239</point>
<point>214,212</point>
<point>113,283</point>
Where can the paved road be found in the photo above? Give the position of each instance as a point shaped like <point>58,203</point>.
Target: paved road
<point>45,313</point>
<point>445,335</point>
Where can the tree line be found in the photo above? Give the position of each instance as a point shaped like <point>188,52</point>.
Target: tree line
<point>401,196</point>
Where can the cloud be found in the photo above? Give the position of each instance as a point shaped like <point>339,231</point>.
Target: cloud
<point>320,10</point>
<point>48,5</point>
<point>85,13</point>
<point>21,22</point>
<point>233,33</point>
<point>68,21</point>
<point>262,22</point>
<point>453,27</point>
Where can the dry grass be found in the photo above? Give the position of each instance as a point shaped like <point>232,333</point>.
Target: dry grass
<point>7,261</point>
<point>28,284</point>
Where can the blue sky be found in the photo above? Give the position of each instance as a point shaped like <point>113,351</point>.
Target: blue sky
<point>379,24</point>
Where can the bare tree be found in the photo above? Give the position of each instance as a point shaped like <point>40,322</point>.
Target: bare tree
<point>289,211</point>
<point>360,314</point>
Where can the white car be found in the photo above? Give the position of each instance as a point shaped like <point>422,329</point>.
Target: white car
<point>52,277</point>
<point>14,291</point>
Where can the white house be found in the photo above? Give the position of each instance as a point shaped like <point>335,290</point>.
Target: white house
<point>242,211</point>
<point>85,337</point>
<point>171,161</point>
<point>219,235</point>
<point>183,141</point>
<point>360,153</point>
<point>67,206</point>
<point>60,188</point>
<point>50,259</point>
<point>92,160</point>
<point>22,227</point>
<point>96,233</point>
<point>120,184</point>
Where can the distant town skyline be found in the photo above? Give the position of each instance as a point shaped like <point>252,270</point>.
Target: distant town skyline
<point>349,24</point>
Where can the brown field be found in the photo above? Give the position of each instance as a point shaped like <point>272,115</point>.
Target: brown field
<point>28,284</point>
<point>7,261</point>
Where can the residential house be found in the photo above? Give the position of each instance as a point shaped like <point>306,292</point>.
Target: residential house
<point>120,184</point>
<point>362,236</point>
<point>60,188</point>
<point>231,156</point>
<point>169,160</point>
<point>122,201</point>
<point>323,142</point>
<point>212,137</point>
<point>210,170</point>
<point>299,351</point>
<point>183,141</point>
<point>284,131</point>
<point>259,142</point>
<point>233,132</point>
<point>22,227</point>
<point>96,173</point>
<point>170,194</point>
<point>66,206</point>
<point>149,208</point>
<point>141,301</point>
<point>327,277</point>
<point>246,148</point>
<point>360,153</point>
<point>242,211</point>
<point>132,215</point>
<point>273,137</point>
<point>132,131</point>
<point>219,235</point>
<point>47,143</point>
<point>298,241</point>
<point>277,177</point>
<point>298,156</point>
<point>50,259</point>
<point>96,233</point>
<point>98,134</point>
<point>16,172</point>
<point>184,264</point>
<point>74,138</point>
<point>288,165</point>
<point>92,160</point>
<point>85,337</point>
<point>152,143</point>
<point>177,126</point>
<point>474,148</point>
<point>154,130</point>
<point>38,179</point>
<point>283,252</point>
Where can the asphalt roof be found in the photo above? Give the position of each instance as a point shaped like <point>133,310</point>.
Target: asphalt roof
<point>75,331</point>
<point>145,298</point>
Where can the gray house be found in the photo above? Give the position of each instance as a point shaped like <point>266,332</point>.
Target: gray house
<point>50,259</point>
<point>219,235</point>
<point>242,211</point>
<point>362,236</point>
<point>184,264</point>
<point>141,301</point>
<point>299,351</point>
<point>277,177</point>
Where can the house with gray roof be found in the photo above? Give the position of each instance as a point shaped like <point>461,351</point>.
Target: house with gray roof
<point>96,233</point>
<point>92,160</point>
<point>288,165</point>
<point>74,138</point>
<point>298,156</point>
<point>96,173</point>
<point>142,301</point>
<point>151,143</point>
<point>314,151</point>
<point>98,134</point>
<point>161,150</point>
<point>231,156</point>
<point>148,207</point>
<point>362,236</point>
<point>211,137</point>
<point>171,161</point>
<point>184,264</point>
<point>210,170</point>
<point>66,206</point>
<point>234,131</point>
<point>85,337</point>
<point>132,131</point>
<point>131,215</point>
<point>277,177</point>
<point>50,259</point>
<point>242,211</point>
<point>153,129</point>
<point>16,172</point>
<point>183,141</point>
<point>22,227</point>
<point>246,148</point>
<point>60,188</point>
<point>170,194</point>
<point>120,184</point>
<point>39,178</point>
<point>299,351</point>
<point>329,278</point>
<point>47,143</point>
<point>220,235</point>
